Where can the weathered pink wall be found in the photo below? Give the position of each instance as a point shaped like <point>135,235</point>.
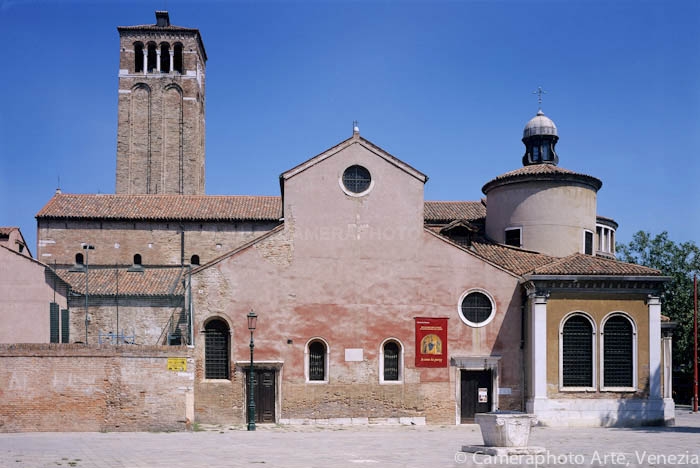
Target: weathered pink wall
<point>321,277</point>
<point>26,290</point>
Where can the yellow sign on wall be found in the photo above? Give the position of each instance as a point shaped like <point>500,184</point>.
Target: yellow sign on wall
<point>177,364</point>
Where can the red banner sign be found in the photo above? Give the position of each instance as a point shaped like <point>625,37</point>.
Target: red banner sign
<point>431,342</point>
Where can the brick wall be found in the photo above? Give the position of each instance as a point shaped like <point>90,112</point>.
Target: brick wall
<point>161,125</point>
<point>158,243</point>
<point>46,387</point>
<point>146,319</point>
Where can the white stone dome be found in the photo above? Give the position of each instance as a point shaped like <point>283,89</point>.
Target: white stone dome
<point>540,125</point>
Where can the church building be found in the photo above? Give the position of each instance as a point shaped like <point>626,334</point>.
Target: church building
<point>374,305</point>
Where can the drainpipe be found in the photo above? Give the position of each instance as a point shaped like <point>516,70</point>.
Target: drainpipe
<point>523,370</point>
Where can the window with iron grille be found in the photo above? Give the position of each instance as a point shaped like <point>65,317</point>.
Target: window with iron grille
<point>356,179</point>
<point>391,360</point>
<point>317,361</point>
<point>577,352</point>
<point>476,308</point>
<point>618,352</point>
<point>216,350</point>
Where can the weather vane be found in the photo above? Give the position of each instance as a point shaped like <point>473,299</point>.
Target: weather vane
<point>539,93</point>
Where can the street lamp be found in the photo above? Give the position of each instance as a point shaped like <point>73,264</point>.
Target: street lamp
<point>87,248</point>
<point>252,322</point>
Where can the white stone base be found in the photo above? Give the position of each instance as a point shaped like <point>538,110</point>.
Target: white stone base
<point>502,451</point>
<point>405,421</point>
<point>590,412</point>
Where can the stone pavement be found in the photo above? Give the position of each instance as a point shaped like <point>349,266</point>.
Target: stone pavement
<point>351,446</point>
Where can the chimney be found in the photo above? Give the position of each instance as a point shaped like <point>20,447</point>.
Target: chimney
<point>162,19</point>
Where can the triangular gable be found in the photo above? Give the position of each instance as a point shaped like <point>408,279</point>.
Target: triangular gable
<point>356,139</point>
<point>6,233</point>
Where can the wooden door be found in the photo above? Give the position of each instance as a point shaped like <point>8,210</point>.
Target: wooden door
<point>476,394</point>
<point>264,392</point>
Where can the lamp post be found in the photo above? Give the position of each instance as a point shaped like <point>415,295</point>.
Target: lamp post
<point>252,322</point>
<point>87,248</point>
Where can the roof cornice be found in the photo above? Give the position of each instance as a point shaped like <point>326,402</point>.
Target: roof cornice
<point>524,177</point>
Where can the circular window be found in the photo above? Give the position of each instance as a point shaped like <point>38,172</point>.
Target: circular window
<point>476,309</point>
<point>356,179</point>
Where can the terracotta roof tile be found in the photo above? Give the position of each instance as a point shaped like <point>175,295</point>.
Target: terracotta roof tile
<point>163,207</point>
<point>448,211</point>
<point>580,264</point>
<point>521,262</point>
<point>212,208</point>
<point>103,281</point>
<point>545,171</point>
<point>513,259</point>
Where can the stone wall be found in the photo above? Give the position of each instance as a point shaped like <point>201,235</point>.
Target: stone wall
<point>91,388</point>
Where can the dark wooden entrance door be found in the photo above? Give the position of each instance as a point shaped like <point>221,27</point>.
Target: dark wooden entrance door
<point>477,393</point>
<point>264,391</point>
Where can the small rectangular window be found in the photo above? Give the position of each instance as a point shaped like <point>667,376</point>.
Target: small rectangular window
<point>53,321</point>
<point>513,237</point>
<point>588,242</point>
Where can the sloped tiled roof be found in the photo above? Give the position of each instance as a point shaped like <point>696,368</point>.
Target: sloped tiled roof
<point>580,264</point>
<point>103,281</point>
<point>163,207</point>
<point>212,208</point>
<point>541,171</point>
<point>448,211</point>
<point>525,262</point>
<point>513,259</point>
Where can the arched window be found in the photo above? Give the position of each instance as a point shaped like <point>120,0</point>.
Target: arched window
<point>165,57</point>
<point>618,352</point>
<point>177,59</point>
<point>391,361</point>
<point>152,59</point>
<point>194,260</point>
<point>577,352</point>
<point>317,361</point>
<point>79,259</point>
<point>216,350</point>
<point>138,57</point>
<point>137,259</point>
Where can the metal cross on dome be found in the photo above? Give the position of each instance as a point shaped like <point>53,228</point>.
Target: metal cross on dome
<point>539,93</point>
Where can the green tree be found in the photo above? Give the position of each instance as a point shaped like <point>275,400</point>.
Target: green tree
<point>680,262</point>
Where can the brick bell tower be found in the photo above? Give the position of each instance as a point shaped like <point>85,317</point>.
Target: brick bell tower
<point>160,131</point>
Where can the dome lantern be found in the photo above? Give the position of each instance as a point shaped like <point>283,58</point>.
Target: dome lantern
<point>540,136</point>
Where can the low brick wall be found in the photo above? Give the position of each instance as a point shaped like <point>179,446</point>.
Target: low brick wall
<point>61,387</point>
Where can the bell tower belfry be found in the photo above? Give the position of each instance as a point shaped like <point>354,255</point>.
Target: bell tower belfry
<point>161,125</point>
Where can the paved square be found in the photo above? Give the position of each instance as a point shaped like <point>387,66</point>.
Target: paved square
<point>351,446</point>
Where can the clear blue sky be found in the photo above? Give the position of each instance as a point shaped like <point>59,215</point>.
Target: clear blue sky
<point>445,86</point>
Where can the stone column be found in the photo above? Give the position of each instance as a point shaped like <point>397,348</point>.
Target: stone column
<point>172,60</point>
<point>158,59</point>
<point>538,351</point>
<point>654,305</point>
<point>145,60</point>
<point>668,366</point>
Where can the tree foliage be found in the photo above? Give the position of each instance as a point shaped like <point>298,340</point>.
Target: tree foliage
<point>680,262</point>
